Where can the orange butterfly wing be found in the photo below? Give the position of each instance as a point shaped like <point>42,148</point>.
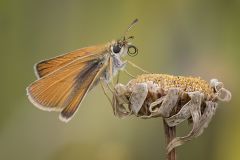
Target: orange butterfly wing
<point>64,89</point>
<point>45,67</point>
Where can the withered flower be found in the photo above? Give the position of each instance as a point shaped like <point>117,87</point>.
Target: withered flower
<point>174,98</point>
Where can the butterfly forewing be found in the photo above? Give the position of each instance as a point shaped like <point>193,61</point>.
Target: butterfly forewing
<point>65,87</point>
<point>45,67</point>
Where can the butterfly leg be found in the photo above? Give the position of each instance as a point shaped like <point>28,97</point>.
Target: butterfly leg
<point>104,90</point>
<point>118,77</point>
<point>120,101</point>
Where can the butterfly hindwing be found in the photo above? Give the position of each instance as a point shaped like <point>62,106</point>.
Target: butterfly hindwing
<point>84,82</point>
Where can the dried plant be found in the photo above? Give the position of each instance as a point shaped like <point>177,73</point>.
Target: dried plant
<point>174,98</point>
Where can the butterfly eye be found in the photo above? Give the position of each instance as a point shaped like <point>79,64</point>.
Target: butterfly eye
<point>116,48</point>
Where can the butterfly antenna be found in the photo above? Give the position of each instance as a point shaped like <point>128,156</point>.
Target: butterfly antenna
<point>129,27</point>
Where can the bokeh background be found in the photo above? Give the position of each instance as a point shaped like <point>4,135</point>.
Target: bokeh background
<point>188,37</point>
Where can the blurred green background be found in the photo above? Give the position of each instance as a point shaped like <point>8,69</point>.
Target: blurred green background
<point>188,37</point>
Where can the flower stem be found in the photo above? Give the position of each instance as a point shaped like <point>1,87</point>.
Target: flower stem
<point>170,133</point>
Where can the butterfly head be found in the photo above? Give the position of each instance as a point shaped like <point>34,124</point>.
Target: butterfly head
<point>123,46</point>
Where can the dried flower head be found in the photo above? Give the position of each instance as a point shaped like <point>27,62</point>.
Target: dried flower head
<point>175,98</point>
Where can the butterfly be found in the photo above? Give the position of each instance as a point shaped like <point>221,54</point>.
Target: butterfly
<point>64,81</point>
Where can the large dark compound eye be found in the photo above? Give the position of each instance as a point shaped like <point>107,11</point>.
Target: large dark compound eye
<point>117,48</point>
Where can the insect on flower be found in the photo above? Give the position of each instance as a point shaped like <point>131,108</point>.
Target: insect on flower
<point>63,81</point>
<point>175,98</point>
